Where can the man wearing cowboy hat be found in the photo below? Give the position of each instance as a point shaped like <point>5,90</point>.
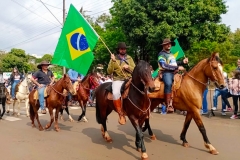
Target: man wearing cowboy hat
<point>42,78</point>
<point>168,65</point>
<point>121,67</point>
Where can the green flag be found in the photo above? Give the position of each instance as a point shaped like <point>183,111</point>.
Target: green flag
<point>177,50</point>
<point>76,43</point>
<point>155,73</point>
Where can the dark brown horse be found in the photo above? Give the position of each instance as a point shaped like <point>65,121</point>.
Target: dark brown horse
<point>53,101</point>
<point>190,94</point>
<point>136,106</point>
<point>89,82</point>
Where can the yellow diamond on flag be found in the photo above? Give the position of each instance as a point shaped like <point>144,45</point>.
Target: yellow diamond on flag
<point>77,43</point>
<point>176,54</point>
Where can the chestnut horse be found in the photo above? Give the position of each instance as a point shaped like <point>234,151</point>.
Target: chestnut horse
<point>89,82</point>
<point>190,94</point>
<point>136,106</point>
<point>53,101</point>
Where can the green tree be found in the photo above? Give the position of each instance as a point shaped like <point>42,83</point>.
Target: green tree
<point>191,21</point>
<point>235,39</point>
<point>16,57</point>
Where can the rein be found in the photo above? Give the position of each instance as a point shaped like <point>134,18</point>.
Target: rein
<point>143,93</point>
<point>205,84</point>
<point>57,91</point>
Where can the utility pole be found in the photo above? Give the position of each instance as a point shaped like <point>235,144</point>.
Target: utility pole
<point>64,68</point>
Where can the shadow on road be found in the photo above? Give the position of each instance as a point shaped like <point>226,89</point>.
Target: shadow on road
<point>120,141</point>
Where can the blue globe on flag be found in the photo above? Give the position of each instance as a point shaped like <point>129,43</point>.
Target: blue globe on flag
<point>79,42</point>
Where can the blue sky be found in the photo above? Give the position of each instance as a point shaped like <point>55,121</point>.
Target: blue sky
<point>28,25</point>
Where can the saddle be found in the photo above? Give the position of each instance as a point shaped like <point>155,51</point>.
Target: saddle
<point>124,89</point>
<point>46,93</point>
<point>159,87</point>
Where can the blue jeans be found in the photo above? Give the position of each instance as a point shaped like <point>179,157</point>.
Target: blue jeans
<point>15,82</point>
<point>224,93</point>
<point>41,97</point>
<point>167,80</point>
<point>204,103</point>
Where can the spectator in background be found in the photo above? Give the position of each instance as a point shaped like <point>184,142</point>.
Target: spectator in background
<point>205,103</point>
<point>15,78</point>
<point>224,94</point>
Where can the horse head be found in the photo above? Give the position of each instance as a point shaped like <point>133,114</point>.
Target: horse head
<point>67,84</point>
<point>93,80</point>
<point>214,70</point>
<point>142,75</point>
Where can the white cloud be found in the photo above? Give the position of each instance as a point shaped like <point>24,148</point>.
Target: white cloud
<point>35,30</point>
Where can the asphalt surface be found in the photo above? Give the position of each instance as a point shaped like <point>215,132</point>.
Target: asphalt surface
<point>83,140</point>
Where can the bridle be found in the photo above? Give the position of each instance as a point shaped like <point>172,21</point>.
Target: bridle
<point>58,91</point>
<point>91,82</point>
<point>213,73</point>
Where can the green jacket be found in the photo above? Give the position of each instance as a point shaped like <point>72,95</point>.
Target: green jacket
<point>114,67</point>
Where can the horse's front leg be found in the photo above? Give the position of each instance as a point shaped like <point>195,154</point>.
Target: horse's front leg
<point>148,127</point>
<point>198,121</point>
<point>139,137</point>
<point>187,122</point>
<point>27,106</point>
<point>56,119</point>
<point>50,109</point>
<point>18,106</point>
<point>83,106</point>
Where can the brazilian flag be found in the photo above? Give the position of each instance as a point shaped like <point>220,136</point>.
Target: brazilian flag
<point>177,50</point>
<point>76,43</point>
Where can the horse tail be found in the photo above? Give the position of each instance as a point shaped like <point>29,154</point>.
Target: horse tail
<point>32,114</point>
<point>98,114</point>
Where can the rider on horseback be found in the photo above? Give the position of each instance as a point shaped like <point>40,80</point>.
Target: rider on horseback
<point>42,78</point>
<point>168,65</point>
<point>121,66</point>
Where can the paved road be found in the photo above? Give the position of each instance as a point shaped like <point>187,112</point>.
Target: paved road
<point>83,141</point>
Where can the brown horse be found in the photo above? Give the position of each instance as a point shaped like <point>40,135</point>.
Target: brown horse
<point>53,101</point>
<point>190,94</point>
<point>89,82</point>
<point>136,105</point>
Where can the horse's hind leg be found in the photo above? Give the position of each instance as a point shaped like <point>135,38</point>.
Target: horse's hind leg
<point>83,112</point>
<point>187,122</point>
<point>51,118</point>
<point>198,120</point>
<point>61,114</point>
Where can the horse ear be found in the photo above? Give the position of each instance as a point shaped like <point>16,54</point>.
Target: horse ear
<point>214,56</point>
<point>65,75</point>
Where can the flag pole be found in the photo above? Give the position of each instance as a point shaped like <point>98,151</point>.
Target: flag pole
<point>112,54</point>
<point>64,68</point>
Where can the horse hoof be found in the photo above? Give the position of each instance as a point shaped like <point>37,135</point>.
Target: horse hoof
<point>185,145</point>
<point>71,120</point>
<point>214,152</point>
<point>41,129</point>
<point>57,129</point>
<point>33,126</point>
<point>7,111</point>
<point>153,137</point>
<point>46,127</point>
<point>109,140</point>
<point>144,156</point>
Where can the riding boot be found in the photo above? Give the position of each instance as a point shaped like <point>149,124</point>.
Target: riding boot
<point>118,107</point>
<point>168,99</point>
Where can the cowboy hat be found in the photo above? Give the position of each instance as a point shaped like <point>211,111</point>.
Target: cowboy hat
<point>167,41</point>
<point>39,66</point>
<point>122,45</point>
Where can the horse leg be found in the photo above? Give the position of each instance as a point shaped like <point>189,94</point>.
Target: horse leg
<point>61,114</point>
<point>32,115</point>
<point>56,120</point>
<point>104,131</point>
<point>198,121</point>
<point>3,106</point>
<point>187,122</point>
<point>35,114</point>
<point>18,104</point>
<point>69,116</point>
<point>8,109</point>
<point>14,102</point>
<point>83,112</point>
<point>51,118</point>
<point>147,126</point>
<point>139,138</point>
<point>27,106</point>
